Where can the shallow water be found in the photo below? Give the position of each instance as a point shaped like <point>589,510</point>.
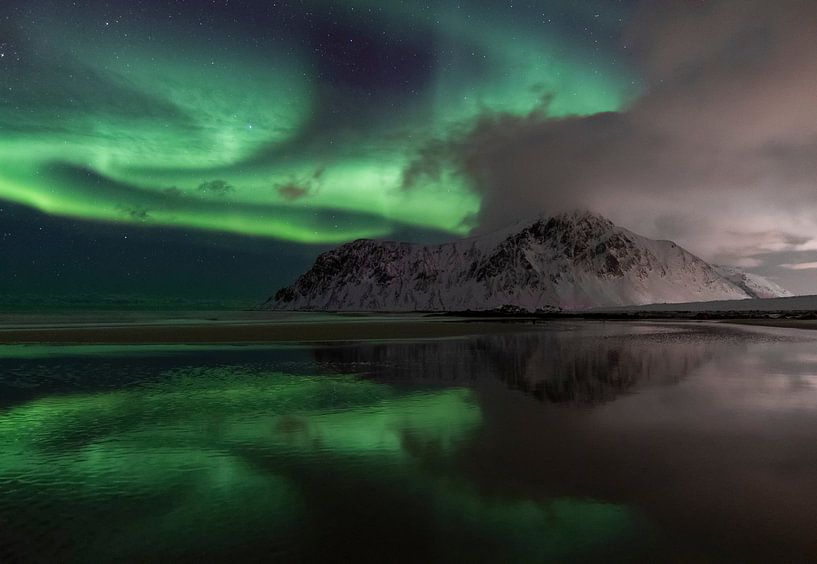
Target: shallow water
<point>562,442</point>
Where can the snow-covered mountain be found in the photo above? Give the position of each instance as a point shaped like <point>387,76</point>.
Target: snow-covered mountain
<point>571,261</point>
<point>753,284</point>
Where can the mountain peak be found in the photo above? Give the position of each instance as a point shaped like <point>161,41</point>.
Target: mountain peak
<point>583,221</point>
<point>579,215</point>
<point>576,220</point>
<point>574,216</point>
<point>575,232</point>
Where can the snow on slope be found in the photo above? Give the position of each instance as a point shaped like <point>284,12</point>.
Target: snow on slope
<point>753,284</point>
<point>571,261</point>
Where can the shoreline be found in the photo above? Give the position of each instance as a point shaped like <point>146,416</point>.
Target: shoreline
<point>255,332</point>
<point>293,330</point>
<point>806,324</point>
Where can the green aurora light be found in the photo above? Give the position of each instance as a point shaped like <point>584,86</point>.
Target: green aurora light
<point>215,136</point>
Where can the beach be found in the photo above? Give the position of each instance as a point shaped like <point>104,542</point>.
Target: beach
<point>272,327</point>
<point>245,327</point>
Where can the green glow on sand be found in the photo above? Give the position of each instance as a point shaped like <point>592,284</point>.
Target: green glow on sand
<point>211,136</point>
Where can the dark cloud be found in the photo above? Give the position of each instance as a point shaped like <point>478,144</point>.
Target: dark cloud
<point>136,214</point>
<point>174,192</point>
<point>216,187</point>
<point>720,153</point>
<point>428,165</point>
<point>292,192</point>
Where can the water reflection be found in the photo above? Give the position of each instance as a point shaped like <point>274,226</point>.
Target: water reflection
<point>566,364</point>
<point>225,461</point>
<point>651,442</point>
<point>723,460</point>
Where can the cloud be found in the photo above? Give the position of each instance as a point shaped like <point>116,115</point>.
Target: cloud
<point>810,245</point>
<point>174,192</point>
<point>216,187</point>
<point>720,153</point>
<point>800,266</point>
<point>297,189</point>
<point>747,262</point>
<point>292,191</point>
<point>136,214</point>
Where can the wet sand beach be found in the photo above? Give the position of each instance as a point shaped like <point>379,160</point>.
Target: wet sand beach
<point>256,327</point>
<point>292,329</point>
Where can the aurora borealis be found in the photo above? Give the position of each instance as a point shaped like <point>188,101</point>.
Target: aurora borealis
<point>164,143</point>
<point>301,122</point>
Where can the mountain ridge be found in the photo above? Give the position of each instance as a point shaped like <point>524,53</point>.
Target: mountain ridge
<point>573,261</point>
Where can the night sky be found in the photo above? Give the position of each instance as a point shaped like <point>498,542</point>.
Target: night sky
<point>209,150</point>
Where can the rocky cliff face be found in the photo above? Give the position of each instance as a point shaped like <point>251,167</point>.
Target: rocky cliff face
<point>570,261</point>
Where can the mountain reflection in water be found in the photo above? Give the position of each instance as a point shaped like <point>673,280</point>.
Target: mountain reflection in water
<point>571,365</point>
<point>569,441</point>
